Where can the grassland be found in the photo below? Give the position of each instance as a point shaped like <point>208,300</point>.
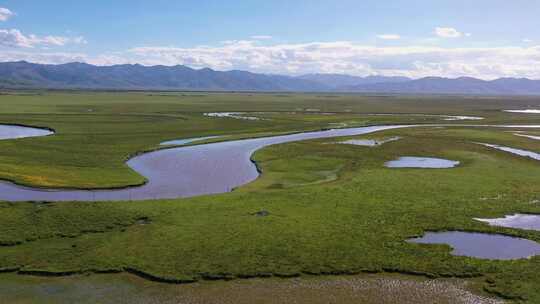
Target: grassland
<point>329,208</point>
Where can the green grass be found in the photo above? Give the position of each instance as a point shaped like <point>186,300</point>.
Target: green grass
<point>333,208</point>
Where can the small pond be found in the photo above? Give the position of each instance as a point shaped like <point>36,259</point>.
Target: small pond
<point>235,115</point>
<point>14,132</point>
<point>421,162</point>
<point>482,245</point>
<point>369,142</point>
<point>518,221</point>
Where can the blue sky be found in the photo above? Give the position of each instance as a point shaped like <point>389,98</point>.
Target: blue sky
<point>416,38</point>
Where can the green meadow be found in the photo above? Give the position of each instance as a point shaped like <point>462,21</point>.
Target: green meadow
<point>318,208</point>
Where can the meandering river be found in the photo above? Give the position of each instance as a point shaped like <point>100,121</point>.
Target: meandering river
<point>177,172</point>
<point>183,171</point>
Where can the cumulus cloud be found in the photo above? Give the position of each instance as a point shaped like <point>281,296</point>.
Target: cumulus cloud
<point>79,40</point>
<point>321,57</point>
<point>46,58</point>
<point>5,14</point>
<point>448,32</point>
<point>351,58</point>
<point>389,37</point>
<point>15,38</point>
<point>261,37</point>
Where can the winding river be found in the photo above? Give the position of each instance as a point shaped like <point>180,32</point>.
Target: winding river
<point>182,171</point>
<point>177,172</point>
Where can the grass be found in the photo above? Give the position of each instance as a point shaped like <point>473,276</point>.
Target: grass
<point>332,208</point>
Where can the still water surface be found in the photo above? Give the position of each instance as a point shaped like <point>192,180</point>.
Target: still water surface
<point>482,245</point>
<point>184,171</point>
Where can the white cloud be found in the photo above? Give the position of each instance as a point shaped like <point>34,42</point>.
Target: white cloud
<point>389,37</point>
<point>5,14</point>
<point>79,40</point>
<point>49,57</point>
<point>526,40</point>
<point>448,32</point>
<point>14,38</point>
<point>350,58</point>
<point>261,37</point>
<point>320,57</point>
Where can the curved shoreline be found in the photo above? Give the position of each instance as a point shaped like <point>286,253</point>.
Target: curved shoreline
<point>160,147</point>
<point>151,166</point>
<point>172,172</point>
<point>28,126</point>
<point>50,131</point>
<point>230,276</point>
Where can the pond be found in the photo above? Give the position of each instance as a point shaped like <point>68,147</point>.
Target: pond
<point>421,162</point>
<point>482,245</point>
<point>369,142</point>
<point>235,115</point>
<point>518,221</point>
<point>14,132</point>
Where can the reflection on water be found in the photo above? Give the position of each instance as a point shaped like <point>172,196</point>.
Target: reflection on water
<point>527,111</point>
<point>369,142</point>
<point>528,136</point>
<point>184,171</point>
<point>519,221</point>
<point>519,152</point>
<point>13,132</point>
<point>421,162</point>
<point>197,170</point>
<point>482,245</point>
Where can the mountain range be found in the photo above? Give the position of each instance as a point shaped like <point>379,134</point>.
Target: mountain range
<point>25,75</point>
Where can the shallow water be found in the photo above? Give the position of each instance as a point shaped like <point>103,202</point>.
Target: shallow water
<point>243,115</point>
<point>184,171</point>
<point>519,152</point>
<point>13,132</point>
<point>126,288</point>
<point>482,245</point>
<point>528,136</point>
<point>235,115</point>
<point>528,111</point>
<point>187,171</point>
<point>369,142</point>
<point>421,162</point>
<point>453,118</point>
<point>518,221</point>
<point>185,141</point>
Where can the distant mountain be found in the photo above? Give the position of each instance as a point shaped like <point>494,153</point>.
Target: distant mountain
<point>137,77</point>
<point>340,80</point>
<point>462,85</point>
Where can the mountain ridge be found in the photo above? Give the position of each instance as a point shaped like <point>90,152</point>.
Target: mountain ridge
<point>79,75</point>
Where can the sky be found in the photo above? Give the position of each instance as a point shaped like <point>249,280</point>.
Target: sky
<point>414,38</point>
